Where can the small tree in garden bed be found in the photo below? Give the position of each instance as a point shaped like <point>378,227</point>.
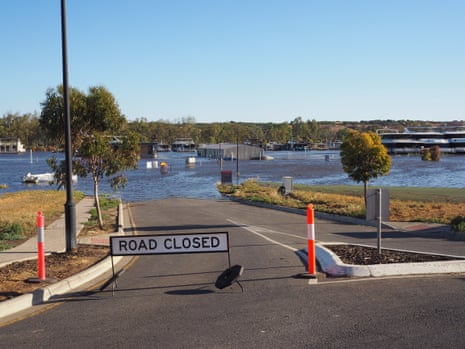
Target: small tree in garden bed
<point>364,157</point>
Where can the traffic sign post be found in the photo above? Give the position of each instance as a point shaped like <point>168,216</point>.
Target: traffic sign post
<point>378,208</point>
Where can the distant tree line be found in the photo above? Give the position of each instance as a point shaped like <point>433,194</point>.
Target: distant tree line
<point>35,134</point>
<point>25,127</point>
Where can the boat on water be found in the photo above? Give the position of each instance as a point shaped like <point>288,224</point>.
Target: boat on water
<point>47,177</point>
<point>36,178</point>
<point>415,139</point>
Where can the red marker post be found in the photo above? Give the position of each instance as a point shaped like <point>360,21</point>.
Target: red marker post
<point>40,246</point>
<point>311,259</point>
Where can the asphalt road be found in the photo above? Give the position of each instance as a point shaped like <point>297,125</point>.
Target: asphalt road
<point>170,301</point>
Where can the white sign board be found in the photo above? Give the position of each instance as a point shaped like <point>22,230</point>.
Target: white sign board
<point>166,244</point>
<point>373,202</point>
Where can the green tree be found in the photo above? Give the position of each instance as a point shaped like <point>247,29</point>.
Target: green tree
<point>52,116</point>
<point>314,131</point>
<point>100,134</point>
<point>435,153</point>
<point>300,130</point>
<point>364,157</point>
<point>102,112</point>
<point>102,156</point>
<point>142,128</point>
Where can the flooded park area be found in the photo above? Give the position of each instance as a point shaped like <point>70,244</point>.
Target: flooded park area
<point>198,178</point>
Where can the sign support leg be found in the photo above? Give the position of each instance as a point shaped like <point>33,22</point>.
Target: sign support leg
<point>113,280</point>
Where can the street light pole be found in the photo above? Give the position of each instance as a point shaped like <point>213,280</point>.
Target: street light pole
<point>70,208</point>
<point>237,155</point>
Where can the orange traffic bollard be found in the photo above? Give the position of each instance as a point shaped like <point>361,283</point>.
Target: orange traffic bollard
<point>40,246</point>
<point>311,241</point>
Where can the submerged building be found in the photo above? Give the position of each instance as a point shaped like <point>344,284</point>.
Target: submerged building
<point>230,151</point>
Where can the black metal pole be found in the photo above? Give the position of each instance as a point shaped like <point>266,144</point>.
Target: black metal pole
<point>70,208</point>
<point>237,155</point>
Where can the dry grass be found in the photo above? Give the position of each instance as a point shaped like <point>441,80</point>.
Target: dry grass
<point>422,206</point>
<point>22,207</point>
<point>436,212</point>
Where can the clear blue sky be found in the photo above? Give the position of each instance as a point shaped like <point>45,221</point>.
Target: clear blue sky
<point>243,60</point>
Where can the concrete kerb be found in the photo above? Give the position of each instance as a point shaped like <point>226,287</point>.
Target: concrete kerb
<point>42,295</point>
<point>332,265</point>
<point>303,212</point>
<point>334,217</point>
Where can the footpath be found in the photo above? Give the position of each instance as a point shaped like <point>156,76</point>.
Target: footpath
<point>54,236</point>
<point>330,263</point>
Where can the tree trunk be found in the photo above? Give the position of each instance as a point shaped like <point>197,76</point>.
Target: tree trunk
<point>97,204</point>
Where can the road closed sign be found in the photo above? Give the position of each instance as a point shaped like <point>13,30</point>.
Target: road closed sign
<point>166,244</point>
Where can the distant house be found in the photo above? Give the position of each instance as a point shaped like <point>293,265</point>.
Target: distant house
<point>148,150</point>
<point>11,146</point>
<point>183,145</point>
<point>151,149</point>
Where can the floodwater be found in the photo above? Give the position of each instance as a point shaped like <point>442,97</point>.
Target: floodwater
<point>199,180</point>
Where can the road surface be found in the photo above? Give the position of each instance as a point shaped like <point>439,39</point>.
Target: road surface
<point>170,301</point>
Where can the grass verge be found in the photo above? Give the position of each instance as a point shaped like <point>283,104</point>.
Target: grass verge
<point>19,212</point>
<point>435,205</point>
<point>108,205</point>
